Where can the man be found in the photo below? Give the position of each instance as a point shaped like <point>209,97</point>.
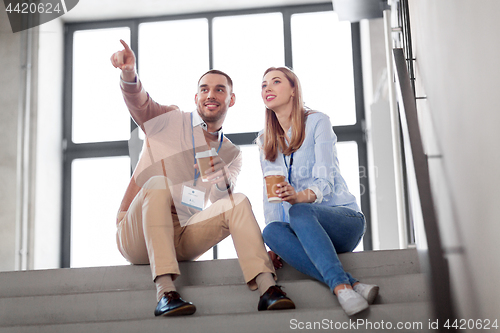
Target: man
<point>163,218</point>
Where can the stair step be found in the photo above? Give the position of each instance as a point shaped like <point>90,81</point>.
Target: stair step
<point>209,300</point>
<point>122,298</point>
<point>415,316</point>
<point>201,273</point>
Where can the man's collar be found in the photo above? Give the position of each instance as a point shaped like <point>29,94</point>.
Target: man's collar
<point>198,121</point>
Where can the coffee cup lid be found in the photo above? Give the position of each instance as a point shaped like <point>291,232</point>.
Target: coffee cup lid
<point>277,172</point>
<point>207,153</point>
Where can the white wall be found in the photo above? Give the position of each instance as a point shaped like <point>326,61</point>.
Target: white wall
<point>42,193</point>
<point>47,221</point>
<point>384,212</point>
<point>10,45</point>
<point>456,45</point>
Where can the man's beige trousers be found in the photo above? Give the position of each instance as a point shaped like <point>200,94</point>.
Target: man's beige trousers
<point>150,233</point>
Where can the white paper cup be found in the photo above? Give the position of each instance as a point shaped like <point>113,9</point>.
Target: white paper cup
<point>203,159</point>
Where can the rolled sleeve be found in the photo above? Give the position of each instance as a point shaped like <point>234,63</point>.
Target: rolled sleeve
<point>318,193</point>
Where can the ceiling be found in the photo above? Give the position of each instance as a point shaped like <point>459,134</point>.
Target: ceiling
<point>95,10</point>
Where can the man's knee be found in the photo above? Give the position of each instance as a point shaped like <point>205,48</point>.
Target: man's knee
<point>156,183</point>
<point>157,187</point>
<point>242,205</point>
<point>241,210</point>
<point>241,199</point>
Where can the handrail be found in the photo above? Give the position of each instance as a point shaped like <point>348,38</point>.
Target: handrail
<point>397,150</point>
<point>420,191</point>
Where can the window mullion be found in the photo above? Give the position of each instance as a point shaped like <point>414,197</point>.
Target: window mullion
<point>287,30</point>
<point>210,43</point>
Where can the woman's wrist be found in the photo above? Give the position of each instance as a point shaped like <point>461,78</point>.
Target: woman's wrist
<point>306,196</point>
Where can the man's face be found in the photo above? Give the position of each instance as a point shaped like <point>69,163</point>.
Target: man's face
<point>214,98</point>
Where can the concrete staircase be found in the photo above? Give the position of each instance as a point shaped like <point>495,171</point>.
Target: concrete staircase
<point>122,299</point>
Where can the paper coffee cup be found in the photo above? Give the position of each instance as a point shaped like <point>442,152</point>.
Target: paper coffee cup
<point>273,178</point>
<point>204,160</point>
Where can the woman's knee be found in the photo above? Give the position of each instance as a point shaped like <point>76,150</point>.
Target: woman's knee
<point>301,209</point>
<point>300,213</point>
<point>268,232</point>
<point>272,232</point>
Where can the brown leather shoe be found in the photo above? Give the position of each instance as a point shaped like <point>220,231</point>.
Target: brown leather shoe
<point>171,304</point>
<point>275,299</point>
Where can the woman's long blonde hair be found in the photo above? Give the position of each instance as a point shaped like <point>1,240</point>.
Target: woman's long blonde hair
<point>274,136</point>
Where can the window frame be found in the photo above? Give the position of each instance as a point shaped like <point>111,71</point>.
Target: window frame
<point>72,151</point>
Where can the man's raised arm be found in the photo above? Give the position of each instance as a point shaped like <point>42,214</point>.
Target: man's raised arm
<point>125,60</point>
<point>142,108</point>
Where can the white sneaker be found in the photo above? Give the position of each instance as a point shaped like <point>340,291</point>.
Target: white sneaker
<point>368,291</point>
<point>351,301</point>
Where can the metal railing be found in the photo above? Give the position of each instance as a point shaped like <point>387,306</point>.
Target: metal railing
<point>420,192</point>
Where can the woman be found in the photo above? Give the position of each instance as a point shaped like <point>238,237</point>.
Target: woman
<point>317,216</point>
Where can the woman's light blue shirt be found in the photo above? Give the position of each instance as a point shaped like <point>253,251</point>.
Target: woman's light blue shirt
<point>315,166</point>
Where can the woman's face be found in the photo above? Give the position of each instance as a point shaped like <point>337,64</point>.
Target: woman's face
<point>277,92</point>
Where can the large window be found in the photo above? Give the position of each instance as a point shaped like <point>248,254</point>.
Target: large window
<point>172,54</point>
<point>102,143</point>
<point>245,46</point>
<point>322,58</point>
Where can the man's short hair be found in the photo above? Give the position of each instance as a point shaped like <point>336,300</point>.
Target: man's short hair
<point>216,71</point>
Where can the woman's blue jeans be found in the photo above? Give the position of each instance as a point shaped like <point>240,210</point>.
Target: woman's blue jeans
<point>314,236</point>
